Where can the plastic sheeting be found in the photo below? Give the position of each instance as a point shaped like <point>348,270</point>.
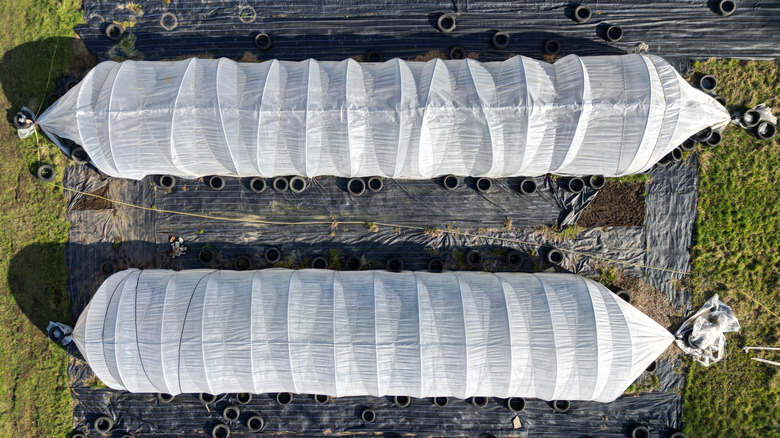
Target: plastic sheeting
<point>549,336</point>
<point>610,115</point>
<point>703,336</point>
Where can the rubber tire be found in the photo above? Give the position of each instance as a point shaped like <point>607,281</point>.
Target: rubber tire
<point>368,415</point>
<point>56,334</point>
<point>258,185</point>
<point>402,401</point>
<point>515,404</point>
<point>103,424</point>
<point>765,130</point>
<point>208,254</point>
<point>220,431</point>
<point>473,258</point>
<point>374,56</point>
<point>514,259</point>
<point>720,99</point>
<point>561,405</point>
<point>272,255</point>
<point>319,262</point>
<point>254,428</point>
<point>450,182</point>
<point>479,402</point>
<point>652,367</point>
<point>242,263</point>
<point>298,181</point>
<point>353,263</point>
<point>231,413</point>
<point>45,173</point>
<point>375,184</point>
<point>446,23</point>
<point>77,434</point>
<point>79,155</point>
<point>263,41</point>
<point>664,161</point>
<point>108,267</point>
<point>216,183</point>
<point>52,98</point>
<point>280,184</point>
<point>500,40</point>
<point>596,182</point>
<point>527,186</point>
<point>114,32</point>
<point>243,398</point>
<point>703,135</point>
<point>284,398</point>
<point>207,399</point>
<point>752,120</point>
<point>613,34</point>
<point>165,398</point>
<point>457,53</point>
<point>552,47</point>
<point>714,139</point>
<point>321,399</point>
<point>724,8</point>
<point>483,185</point>
<point>356,186</point>
<point>18,124</point>
<point>166,182</point>
<point>441,401</point>
<point>575,185</point>
<point>582,14</point>
<point>688,145</point>
<point>395,264</point>
<point>624,295</point>
<point>554,256</point>
<point>677,154</point>
<point>675,434</point>
<point>435,265</point>
<point>639,431</point>
<point>707,83</point>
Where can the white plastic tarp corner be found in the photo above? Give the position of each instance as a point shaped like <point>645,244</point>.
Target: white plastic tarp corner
<point>600,115</point>
<point>419,334</point>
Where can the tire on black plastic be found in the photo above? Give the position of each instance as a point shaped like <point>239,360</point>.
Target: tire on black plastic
<point>220,431</point>
<point>575,185</point>
<point>613,34</point>
<point>402,401</point>
<point>114,32</point>
<point>45,172</point>
<point>527,186</point>
<point>451,182</point>
<point>457,53</point>
<point>395,264</point>
<point>554,256</point>
<point>561,405</point>
<point>375,184</point>
<point>321,399</point>
<point>725,8</point>
<point>514,258</point>
<point>596,182</point>
<point>374,56</point>
<point>445,23</point>
<point>473,258</point>
<point>263,41</point>
<point>284,398</point>
<point>479,402</point>
<point>368,415</point>
<point>515,404</point>
<point>356,186</point>
<point>206,398</point>
<point>255,423</point>
<point>164,398</point>
<point>483,185</point>
<point>108,267</point>
<point>103,424</point>
<point>639,431</point>
<point>435,265</point>
<point>257,185</point>
<point>552,47</point>
<point>677,155</point>
<point>298,184</point>
<point>500,40</point>
<point>216,183</point>
<point>242,263</point>
<point>79,155</point>
<point>280,184</point>
<point>441,401</point>
<point>272,255</point>
<point>688,145</point>
<point>319,262</point>
<point>353,263</point>
<point>167,181</point>
<point>231,413</point>
<point>582,14</point>
<point>206,255</point>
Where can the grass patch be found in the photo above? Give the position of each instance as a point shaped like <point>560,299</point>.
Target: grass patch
<point>631,179</point>
<point>35,401</point>
<point>737,255</point>
<point>556,234</point>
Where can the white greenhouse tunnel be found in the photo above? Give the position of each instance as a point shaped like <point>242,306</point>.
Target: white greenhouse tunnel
<point>600,115</point>
<point>418,334</point>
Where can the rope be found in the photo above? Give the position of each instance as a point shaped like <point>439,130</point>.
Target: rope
<point>386,224</point>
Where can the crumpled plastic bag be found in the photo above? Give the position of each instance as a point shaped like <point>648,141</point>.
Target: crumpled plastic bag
<point>703,336</point>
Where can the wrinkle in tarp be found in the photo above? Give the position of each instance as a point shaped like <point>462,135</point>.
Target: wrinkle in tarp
<point>455,334</point>
<point>599,115</point>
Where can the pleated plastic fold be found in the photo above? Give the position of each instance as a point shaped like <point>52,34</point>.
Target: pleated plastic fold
<point>458,334</point>
<point>601,115</point>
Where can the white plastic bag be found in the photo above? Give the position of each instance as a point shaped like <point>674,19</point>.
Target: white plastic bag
<point>702,336</point>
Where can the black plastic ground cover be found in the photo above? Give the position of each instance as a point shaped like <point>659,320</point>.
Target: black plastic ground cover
<point>133,237</point>
<point>675,29</point>
<point>143,415</point>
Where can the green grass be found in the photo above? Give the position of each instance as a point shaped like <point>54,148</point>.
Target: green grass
<point>35,400</point>
<point>737,255</point>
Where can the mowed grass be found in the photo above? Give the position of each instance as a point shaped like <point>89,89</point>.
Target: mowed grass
<point>34,396</point>
<point>737,255</point>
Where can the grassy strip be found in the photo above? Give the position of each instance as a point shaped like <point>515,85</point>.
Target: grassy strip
<point>34,398</point>
<point>737,255</point>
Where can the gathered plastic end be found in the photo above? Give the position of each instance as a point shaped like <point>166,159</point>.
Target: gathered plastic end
<point>703,336</point>
<point>59,333</point>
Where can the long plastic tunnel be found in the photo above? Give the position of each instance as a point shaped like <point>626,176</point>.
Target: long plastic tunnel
<point>601,115</point>
<point>459,334</point>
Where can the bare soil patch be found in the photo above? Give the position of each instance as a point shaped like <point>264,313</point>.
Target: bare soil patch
<point>617,204</point>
